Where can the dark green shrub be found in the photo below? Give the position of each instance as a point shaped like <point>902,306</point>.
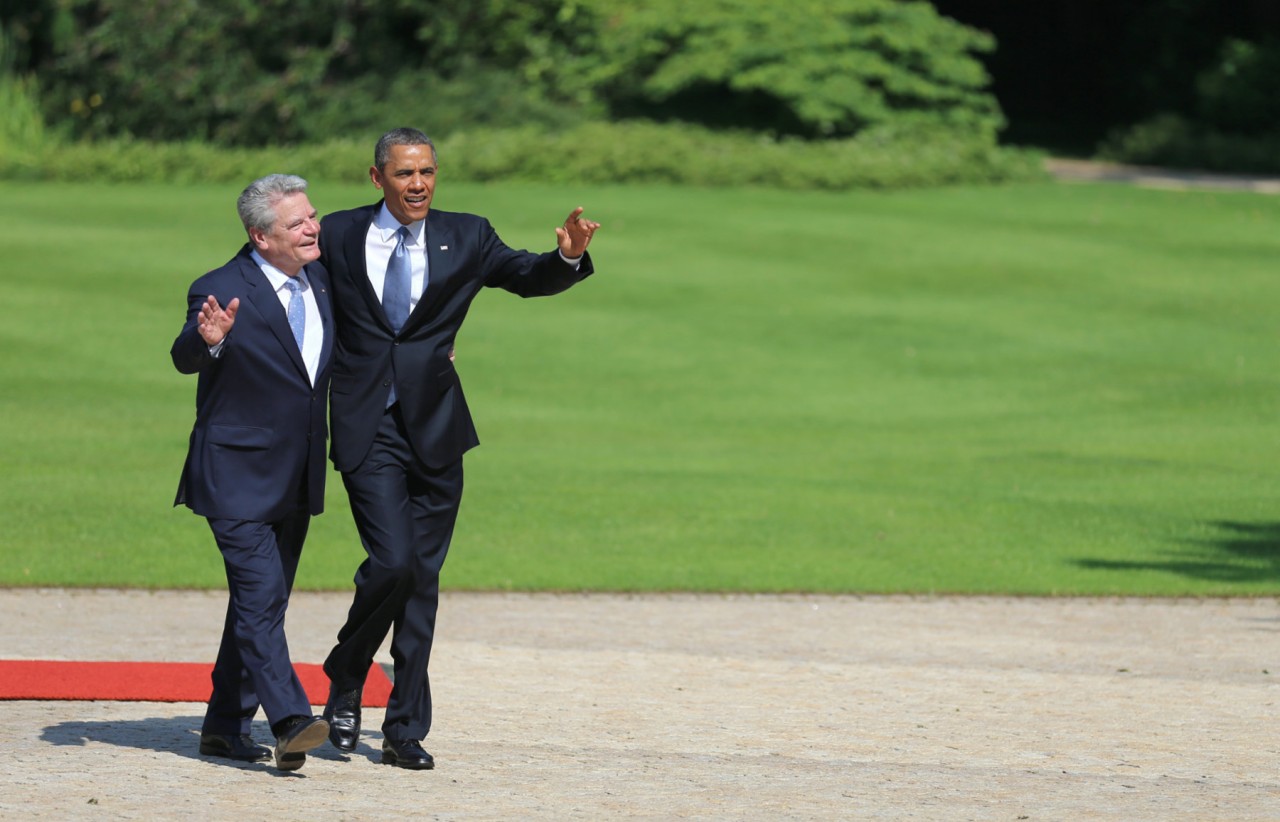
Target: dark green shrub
<point>174,70</point>
<point>21,124</point>
<point>482,97</point>
<point>1238,94</point>
<point>1236,125</point>
<point>262,72</point>
<point>1176,142</point>
<point>813,68</point>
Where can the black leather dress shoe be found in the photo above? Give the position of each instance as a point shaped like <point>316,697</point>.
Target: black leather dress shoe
<point>299,735</point>
<point>406,754</point>
<point>342,712</point>
<point>234,746</point>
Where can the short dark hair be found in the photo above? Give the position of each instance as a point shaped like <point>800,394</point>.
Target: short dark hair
<point>400,137</point>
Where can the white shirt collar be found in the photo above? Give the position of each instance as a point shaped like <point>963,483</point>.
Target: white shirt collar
<point>277,277</point>
<point>388,225</point>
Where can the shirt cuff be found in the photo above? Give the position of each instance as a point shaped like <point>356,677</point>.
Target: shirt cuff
<point>573,261</point>
<point>215,351</point>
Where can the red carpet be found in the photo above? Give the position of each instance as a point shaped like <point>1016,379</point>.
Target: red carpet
<point>150,681</point>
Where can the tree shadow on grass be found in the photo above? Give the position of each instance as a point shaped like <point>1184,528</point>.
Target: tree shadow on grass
<point>1241,552</point>
<point>178,735</point>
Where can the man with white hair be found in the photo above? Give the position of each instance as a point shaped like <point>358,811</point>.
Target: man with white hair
<point>259,332</point>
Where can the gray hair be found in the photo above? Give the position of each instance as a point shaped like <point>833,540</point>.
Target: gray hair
<point>400,137</point>
<point>257,203</point>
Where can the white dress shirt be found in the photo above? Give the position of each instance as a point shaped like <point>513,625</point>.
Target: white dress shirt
<point>381,241</point>
<point>313,335</point>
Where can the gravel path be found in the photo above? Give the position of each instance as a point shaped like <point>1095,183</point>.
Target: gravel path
<point>700,707</point>
<point>1090,171</point>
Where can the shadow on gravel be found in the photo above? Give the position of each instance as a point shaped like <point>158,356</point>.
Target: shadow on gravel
<point>180,735</point>
<point>1240,552</point>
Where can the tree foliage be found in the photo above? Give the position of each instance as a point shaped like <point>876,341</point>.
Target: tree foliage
<point>250,72</point>
<point>1233,123</point>
<point>1237,93</point>
<point>817,68</point>
<point>247,72</point>
<point>167,69</point>
<point>21,126</point>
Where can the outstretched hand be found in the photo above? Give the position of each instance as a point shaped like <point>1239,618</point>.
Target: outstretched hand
<point>215,322</point>
<point>576,234</point>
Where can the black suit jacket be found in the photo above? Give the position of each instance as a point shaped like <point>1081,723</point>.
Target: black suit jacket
<point>464,254</point>
<point>257,451</point>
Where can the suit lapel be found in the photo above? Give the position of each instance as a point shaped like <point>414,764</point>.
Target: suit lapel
<point>265,300</point>
<point>441,248</point>
<point>353,254</point>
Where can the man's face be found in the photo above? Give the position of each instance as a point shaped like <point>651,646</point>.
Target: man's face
<point>407,182</point>
<point>293,240</point>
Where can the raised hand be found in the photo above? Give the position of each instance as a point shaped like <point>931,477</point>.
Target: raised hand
<point>576,234</point>
<point>214,321</point>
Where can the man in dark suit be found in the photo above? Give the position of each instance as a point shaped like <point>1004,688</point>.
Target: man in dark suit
<point>259,332</point>
<point>403,277</point>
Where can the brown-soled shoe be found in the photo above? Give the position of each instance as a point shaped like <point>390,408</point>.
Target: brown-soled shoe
<point>342,712</point>
<point>240,747</point>
<point>406,753</point>
<point>300,735</point>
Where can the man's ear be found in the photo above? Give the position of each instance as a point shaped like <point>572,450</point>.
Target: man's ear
<point>376,176</point>
<point>259,238</point>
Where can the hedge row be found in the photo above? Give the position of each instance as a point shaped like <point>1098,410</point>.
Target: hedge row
<point>1174,141</point>
<point>633,152</point>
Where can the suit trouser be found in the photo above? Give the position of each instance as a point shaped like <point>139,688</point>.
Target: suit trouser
<point>405,513</point>
<point>253,666</point>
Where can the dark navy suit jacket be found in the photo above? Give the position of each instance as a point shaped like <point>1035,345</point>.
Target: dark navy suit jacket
<point>257,451</point>
<point>464,254</point>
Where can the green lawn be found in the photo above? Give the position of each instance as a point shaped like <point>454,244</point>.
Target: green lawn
<point>1043,389</point>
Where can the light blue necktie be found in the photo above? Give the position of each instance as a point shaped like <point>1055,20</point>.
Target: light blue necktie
<point>297,310</point>
<point>396,286</point>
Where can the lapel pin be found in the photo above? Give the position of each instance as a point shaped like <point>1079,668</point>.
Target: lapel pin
<point>444,248</point>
